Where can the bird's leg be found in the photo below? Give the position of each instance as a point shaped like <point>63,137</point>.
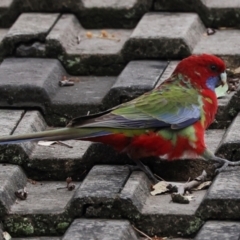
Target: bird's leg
<point>146,170</point>
<point>224,162</point>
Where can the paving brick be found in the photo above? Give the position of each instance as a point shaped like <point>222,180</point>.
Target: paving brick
<point>229,147</point>
<point>86,96</point>
<point>136,78</point>
<point>99,190</point>
<point>222,13</point>
<point>219,230</point>
<point>222,199</point>
<point>7,13</point>
<point>155,36</point>
<point>27,28</point>
<point>85,229</point>
<point>218,45</point>
<point>12,179</point>
<point>45,211</point>
<point>83,55</point>
<point>114,14</point>
<point>29,82</point>
<point>149,212</point>
<point>37,238</point>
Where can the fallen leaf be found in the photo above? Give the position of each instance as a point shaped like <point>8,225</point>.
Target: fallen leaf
<point>21,193</point>
<point>211,31</point>
<point>179,198</point>
<point>203,185</point>
<point>221,90</point>
<point>6,236</point>
<point>104,34</point>
<point>46,143</point>
<point>160,187</point>
<point>236,71</point>
<point>164,187</point>
<point>89,34</point>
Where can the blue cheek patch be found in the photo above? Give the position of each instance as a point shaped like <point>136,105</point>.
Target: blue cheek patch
<point>212,82</point>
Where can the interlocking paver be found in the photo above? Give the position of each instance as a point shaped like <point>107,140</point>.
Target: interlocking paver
<point>223,43</point>
<point>26,29</point>
<point>24,82</point>
<point>85,97</point>
<point>45,211</point>
<point>99,191</point>
<point>116,14</point>
<point>229,146</point>
<point>83,55</point>
<point>222,199</point>
<point>136,78</point>
<point>163,35</point>
<point>219,230</point>
<point>85,229</point>
<point>12,179</point>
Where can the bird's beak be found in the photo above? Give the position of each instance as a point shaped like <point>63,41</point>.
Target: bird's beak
<point>223,77</point>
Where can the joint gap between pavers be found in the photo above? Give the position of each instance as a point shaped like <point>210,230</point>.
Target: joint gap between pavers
<point>18,122</point>
<point>160,76</point>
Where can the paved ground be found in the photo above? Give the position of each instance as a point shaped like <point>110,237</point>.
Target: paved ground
<point>113,51</point>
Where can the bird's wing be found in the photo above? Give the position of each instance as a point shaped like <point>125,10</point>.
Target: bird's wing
<point>172,105</point>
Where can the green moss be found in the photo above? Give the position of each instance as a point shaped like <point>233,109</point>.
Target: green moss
<point>62,226</point>
<point>23,227</point>
<point>194,226</point>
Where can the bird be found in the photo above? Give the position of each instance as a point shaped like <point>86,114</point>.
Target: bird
<point>169,121</point>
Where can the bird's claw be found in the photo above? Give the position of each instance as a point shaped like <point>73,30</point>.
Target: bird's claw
<point>225,165</point>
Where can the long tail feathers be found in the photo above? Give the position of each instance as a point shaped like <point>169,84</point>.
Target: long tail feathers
<point>53,135</point>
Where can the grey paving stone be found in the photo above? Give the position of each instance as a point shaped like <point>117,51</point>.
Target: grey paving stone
<point>155,36</point>
<point>9,120</point>
<point>19,122</point>
<point>222,199</point>
<point>86,96</point>
<point>136,78</point>
<point>229,147</point>
<point>3,51</point>
<point>1,233</point>
<point>99,191</point>
<point>115,14</point>
<point>12,179</point>
<point>222,13</point>
<point>86,229</point>
<point>219,230</point>
<point>175,5</point>
<point>149,212</point>
<point>45,211</point>
<point>27,28</point>
<point>37,238</point>
<point>7,13</point>
<point>217,44</point>
<point>29,82</point>
<point>83,55</point>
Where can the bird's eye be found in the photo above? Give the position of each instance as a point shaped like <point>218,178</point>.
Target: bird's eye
<point>213,67</point>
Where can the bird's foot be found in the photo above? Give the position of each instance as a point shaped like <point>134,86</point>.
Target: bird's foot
<point>224,163</point>
<point>141,167</point>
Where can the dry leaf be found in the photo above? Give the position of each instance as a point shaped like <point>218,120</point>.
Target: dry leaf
<point>210,31</point>
<point>221,90</point>
<point>6,236</point>
<point>203,185</point>
<point>179,198</point>
<point>46,143</point>
<point>160,187</point>
<point>89,34</point>
<point>236,71</point>
<point>104,33</point>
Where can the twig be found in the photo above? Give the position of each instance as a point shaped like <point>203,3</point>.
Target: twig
<point>144,234</point>
<point>194,183</point>
<point>159,177</point>
<point>64,144</point>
